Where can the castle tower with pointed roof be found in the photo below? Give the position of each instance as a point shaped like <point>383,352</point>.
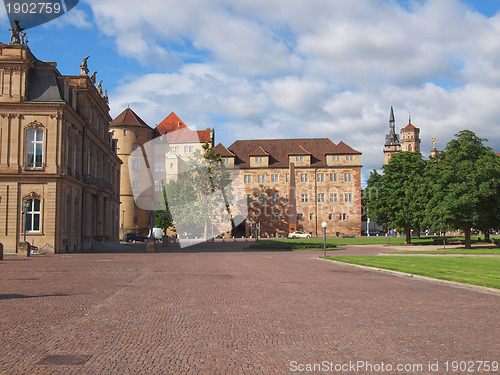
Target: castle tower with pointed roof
<point>409,141</point>
<point>130,132</point>
<point>410,137</point>
<point>392,143</point>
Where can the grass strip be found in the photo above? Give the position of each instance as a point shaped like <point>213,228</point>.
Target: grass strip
<point>482,271</point>
<point>478,251</point>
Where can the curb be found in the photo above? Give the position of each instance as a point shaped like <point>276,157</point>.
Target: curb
<point>477,288</point>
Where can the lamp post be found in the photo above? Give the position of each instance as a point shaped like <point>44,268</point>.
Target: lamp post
<point>123,222</point>
<point>324,224</point>
<point>26,205</point>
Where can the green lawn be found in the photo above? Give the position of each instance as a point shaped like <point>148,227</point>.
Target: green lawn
<point>483,271</point>
<point>476,251</point>
<point>335,242</point>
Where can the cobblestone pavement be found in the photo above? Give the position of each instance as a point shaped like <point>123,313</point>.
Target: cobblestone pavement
<point>216,309</point>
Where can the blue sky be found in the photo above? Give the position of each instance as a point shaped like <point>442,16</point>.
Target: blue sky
<point>291,68</point>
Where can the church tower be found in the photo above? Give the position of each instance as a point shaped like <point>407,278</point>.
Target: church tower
<point>392,143</point>
<point>410,138</point>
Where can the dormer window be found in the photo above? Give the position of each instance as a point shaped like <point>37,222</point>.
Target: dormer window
<point>299,158</point>
<point>258,159</point>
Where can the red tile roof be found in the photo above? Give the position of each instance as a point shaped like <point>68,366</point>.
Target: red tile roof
<point>178,132</point>
<point>343,148</point>
<point>259,151</point>
<point>280,149</point>
<point>170,124</point>
<point>129,118</point>
<point>299,151</point>
<point>409,127</point>
<point>223,151</point>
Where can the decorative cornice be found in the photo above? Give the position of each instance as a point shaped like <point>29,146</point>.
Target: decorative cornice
<point>32,195</point>
<point>35,124</point>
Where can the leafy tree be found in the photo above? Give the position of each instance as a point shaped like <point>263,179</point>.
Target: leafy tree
<point>163,218</point>
<point>202,193</point>
<point>465,185</point>
<point>373,201</point>
<point>398,202</point>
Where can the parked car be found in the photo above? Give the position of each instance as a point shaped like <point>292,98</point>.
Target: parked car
<point>299,234</point>
<point>129,237</point>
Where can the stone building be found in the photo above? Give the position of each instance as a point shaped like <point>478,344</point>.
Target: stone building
<point>409,141</point>
<point>165,147</point>
<point>56,156</point>
<point>296,184</point>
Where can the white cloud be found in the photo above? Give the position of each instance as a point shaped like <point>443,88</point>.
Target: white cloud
<point>324,68</point>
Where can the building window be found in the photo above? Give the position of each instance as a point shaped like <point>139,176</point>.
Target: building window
<point>275,217</point>
<point>136,186</point>
<point>349,157</point>
<point>33,214</point>
<point>333,177</point>
<point>334,197</point>
<point>250,217</point>
<point>258,159</point>
<point>34,148</point>
<point>348,177</point>
<point>336,158</point>
<point>330,216</point>
<point>342,217</point>
<point>276,198</point>
<point>262,178</point>
<point>321,197</point>
<point>304,198</point>
<point>188,149</point>
<point>274,177</point>
<point>136,165</point>
<point>299,158</point>
<point>287,177</point>
<point>174,149</point>
<point>262,198</point>
<point>300,217</point>
<point>157,185</point>
<point>248,179</point>
<point>348,197</point>
<point>311,216</point>
<point>249,199</point>
<point>171,165</point>
<point>135,220</point>
<point>287,200</point>
<point>304,177</point>
<point>226,160</point>
<point>321,177</point>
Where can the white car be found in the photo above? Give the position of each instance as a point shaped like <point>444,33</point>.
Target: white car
<point>299,234</point>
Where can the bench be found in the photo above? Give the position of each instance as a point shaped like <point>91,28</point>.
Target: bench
<point>439,241</point>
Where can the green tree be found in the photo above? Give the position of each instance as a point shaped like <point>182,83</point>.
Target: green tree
<point>202,193</point>
<point>464,185</point>
<point>373,201</point>
<point>398,200</point>
<point>163,218</point>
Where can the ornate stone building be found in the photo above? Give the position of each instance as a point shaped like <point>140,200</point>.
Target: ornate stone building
<point>296,184</point>
<point>56,157</point>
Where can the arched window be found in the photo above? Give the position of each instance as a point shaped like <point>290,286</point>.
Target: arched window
<point>34,148</point>
<point>409,148</point>
<point>33,215</point>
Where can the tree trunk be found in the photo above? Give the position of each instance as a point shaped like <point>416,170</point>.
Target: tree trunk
<point>467,237</point>
<point>408,234</point>
<point>486,236</point>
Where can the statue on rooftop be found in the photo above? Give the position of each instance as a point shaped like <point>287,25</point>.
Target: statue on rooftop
<point>92,77</point>
<point>83,66</point>
<point>15,31</point>
<point>24,38</point>
<point>99,87</point>
<point>105,96</point>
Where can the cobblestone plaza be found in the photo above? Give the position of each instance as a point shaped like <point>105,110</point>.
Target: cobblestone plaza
<point>219,309</point>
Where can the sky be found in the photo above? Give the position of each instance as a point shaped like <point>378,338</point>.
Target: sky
<point>291,68</point>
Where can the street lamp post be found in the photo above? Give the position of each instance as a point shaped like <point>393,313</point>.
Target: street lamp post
<point>26,204</point>
<point>324,224</point>
<point>123,222</point>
